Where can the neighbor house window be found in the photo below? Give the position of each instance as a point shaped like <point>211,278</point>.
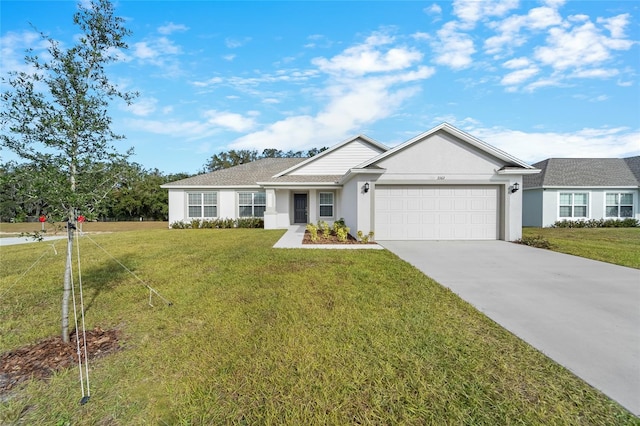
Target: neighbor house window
<point>203,204</point>
<point>251,204</point>
<point>326,204</point>
<point>574,205</point>
<point>619,204</point>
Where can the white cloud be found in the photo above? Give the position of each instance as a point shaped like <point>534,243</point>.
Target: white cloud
<point>143,106</point>
<point>518,77</point>
<point>587,142</point>
<point>229,57</point>
<point>434,9</point>
<point>211,82</point>
<point>12,50</point>
<point>594,73</point>
<point>212,122</point>
<point>469,12</point>
<point>230,121</point>
<point>171,28</point>
<point>516,63</point>
<point>155,50</point>
<point>160,52</point>
<point>510,30</point>
<point>367,82</point>
<point>453,48</point>
<point>579,47</point>
<point>616,25</point>
<point>233,43</point>
<point>369,58</point>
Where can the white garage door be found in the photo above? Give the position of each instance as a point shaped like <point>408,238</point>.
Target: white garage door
<point>436,212</point>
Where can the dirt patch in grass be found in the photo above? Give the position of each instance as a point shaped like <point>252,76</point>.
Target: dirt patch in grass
<point>42,359</point>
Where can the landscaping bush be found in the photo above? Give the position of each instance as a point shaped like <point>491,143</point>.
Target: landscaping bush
<point>365,238</point>
<point>249,222</point>
<point>313,232</point>
<point>597,223</point>
<point>537,241</point>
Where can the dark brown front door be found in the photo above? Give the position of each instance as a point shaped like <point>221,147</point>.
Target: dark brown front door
<point>300,208</point>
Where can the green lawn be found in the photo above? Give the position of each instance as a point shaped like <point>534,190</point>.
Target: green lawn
<point>263,336</point>
<point>614,245</point>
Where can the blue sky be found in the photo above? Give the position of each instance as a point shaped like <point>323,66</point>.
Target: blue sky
<point>537,79</point>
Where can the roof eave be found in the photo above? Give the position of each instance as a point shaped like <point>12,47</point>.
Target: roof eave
<point>357,170</point>
<point>518,171</point>
<point>209,186</point>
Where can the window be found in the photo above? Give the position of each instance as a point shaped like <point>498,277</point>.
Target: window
<point>575,205</point>
<point>619,204</point>
<point>326,204</point>
<point>203,204</point>
<point>252,204</point>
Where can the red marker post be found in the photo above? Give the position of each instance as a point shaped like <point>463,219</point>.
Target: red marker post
<point>42,220</point>
<point>81,219</point>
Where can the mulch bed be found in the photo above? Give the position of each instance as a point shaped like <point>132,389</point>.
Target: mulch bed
<point>331,239</point>
<point>42,359</point>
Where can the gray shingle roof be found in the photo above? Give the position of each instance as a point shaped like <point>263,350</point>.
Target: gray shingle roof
<point>581,172</point>
<point>250,173</point>
<point>243,175</point>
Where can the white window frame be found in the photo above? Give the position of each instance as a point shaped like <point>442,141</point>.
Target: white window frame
<point>332,204</point>
<point>253,203</point>
<point>203,204</point>
<point>618,204</point>
<point>573,205</point>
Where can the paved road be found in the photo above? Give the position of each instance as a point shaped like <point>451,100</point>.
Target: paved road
<point>583,314</point>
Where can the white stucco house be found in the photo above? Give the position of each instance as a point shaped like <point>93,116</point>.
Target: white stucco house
<point>443,184</point>
<point>582,189</point>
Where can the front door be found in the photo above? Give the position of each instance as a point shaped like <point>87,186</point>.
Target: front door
<point>300,208</point>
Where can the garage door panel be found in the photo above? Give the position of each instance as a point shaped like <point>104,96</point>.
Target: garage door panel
<point>436,212</point>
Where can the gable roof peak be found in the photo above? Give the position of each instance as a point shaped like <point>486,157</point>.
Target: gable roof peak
<point>454,131</point>
<point>334,148</point>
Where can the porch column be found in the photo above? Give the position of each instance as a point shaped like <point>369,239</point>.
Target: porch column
<point>270,214</point>
<point>312,207</point>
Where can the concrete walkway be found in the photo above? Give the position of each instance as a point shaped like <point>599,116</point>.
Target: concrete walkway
<point>11,241</point>
<point>294,235</point>
<point>581,313</point>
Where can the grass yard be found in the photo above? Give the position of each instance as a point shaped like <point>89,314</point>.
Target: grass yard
<point>620,246</point>
<point>263,336</point>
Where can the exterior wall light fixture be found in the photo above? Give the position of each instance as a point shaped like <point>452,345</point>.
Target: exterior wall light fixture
<point>366,187</point>
<point>515,187</point>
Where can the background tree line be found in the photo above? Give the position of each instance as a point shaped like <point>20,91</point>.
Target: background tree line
<point>133,192</point>
<point>234,157</point>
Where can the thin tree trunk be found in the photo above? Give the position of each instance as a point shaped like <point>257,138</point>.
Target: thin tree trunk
<point>66,292</point>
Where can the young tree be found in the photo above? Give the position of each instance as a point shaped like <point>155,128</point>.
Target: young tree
<point>56,117</point>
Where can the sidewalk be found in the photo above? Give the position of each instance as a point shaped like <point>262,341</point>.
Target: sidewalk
<point>11,241</point>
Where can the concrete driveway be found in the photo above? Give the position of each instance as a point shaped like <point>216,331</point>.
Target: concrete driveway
<point>581,313</point>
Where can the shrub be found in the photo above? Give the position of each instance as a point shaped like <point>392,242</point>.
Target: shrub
<point>365,238</point>
<point>338,224</point>
<point>248,222</point>
<point>342,233</point>
<point>537,241</point>
<point>324,228</point>
<point>597,223</point>
<point>313,232</point>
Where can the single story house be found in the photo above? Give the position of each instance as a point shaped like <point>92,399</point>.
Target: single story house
<point>582,189</point>
<point>443,184</point>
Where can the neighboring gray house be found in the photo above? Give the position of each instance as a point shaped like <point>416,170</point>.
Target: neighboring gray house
<point>581,189</point>
<point>443,184</point>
